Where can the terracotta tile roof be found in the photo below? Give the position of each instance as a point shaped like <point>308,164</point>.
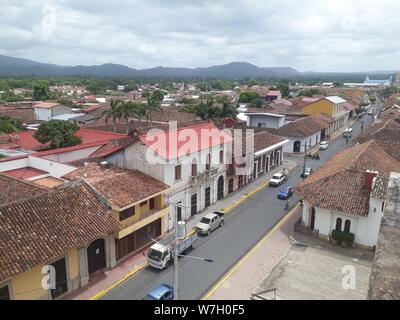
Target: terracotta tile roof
<point>380,188</point>
<point>120,187</point>
<point>25,173</point>
<point>46,105</point>
<point>189,139</point>
<point>339,183</point>
<point>306,126</point>
<point>44,227</point>
<point>112,147</point>
<point>378,130</point>
<point>13,189</point>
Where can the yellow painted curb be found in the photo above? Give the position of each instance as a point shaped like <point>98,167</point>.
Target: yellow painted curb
<point>248,254</point>
<point>126,277</point>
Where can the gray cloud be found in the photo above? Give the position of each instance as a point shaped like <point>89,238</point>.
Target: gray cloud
<point>340,35</point>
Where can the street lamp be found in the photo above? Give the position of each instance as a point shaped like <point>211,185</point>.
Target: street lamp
<point>176,252</point>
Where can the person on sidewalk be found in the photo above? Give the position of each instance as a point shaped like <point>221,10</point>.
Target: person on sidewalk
<point>287,203</point>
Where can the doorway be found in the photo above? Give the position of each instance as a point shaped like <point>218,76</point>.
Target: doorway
<point>220,190</point>
<point>207,198</point>
<point>312,222</point>
<point>96,255</point>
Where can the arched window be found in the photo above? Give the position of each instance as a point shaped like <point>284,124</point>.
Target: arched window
<point>347,226</point>
<point>338,224</point>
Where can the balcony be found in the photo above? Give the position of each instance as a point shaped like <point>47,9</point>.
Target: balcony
<point>211,173</point>
<point>199,178</point>
<point>134,223</point>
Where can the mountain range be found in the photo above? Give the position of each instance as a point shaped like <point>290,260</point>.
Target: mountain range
<point>11,66</point>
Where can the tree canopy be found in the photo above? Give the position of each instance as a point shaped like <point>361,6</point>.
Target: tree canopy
<point>248,97</point>
<point>9,125</point>
<point>59,133</point>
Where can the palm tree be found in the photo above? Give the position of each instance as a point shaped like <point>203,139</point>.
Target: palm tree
<point>130,109</point>
<point>153,103</point>
<point>114,113</point>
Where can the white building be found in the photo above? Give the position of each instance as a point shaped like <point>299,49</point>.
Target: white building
<point>348,193</point>
<point>46,111</point>
<point>195,170</point>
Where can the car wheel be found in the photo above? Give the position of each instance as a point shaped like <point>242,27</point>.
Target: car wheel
<point>208,232</point>
<point>221,224</point>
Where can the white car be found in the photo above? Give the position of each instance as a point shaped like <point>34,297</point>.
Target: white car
<point>277,179</point>
<point>210,222</point>
<point>323,145</point>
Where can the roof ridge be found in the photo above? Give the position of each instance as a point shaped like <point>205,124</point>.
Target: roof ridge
<point>352,162</point>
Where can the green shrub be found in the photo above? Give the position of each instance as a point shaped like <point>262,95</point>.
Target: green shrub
<point>343,236</point>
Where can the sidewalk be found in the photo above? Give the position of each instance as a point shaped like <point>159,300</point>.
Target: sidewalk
<point>243,279</point>
<point>105,281</point>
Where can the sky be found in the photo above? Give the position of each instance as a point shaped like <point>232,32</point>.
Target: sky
<point>308,35</point>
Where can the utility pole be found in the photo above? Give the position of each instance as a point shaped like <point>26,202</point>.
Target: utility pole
<point>176,254</point>
<point>305,159</point>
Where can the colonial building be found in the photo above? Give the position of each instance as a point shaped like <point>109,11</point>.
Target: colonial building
<point>267,155</point>
<point>333,107</point>
<point>137,202</point>
<point>60,238</point>
<point>308,131</point>
<point>348,192</point>
<point>193,165</point>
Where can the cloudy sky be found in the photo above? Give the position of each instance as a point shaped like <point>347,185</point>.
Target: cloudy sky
<point>339,35</point>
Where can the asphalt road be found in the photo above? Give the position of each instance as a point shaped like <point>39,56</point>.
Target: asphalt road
<point>243,228</point>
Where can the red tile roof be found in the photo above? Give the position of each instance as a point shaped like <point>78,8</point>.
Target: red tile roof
<point>339,184</point>
<point>44,227</point>
<point>120,187</point>
<point>12,189</point>
<point>25,173</point>
<point>180,142</point>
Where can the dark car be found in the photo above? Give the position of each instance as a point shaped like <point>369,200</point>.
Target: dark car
<point>162,292</point>
<point>285,193</point>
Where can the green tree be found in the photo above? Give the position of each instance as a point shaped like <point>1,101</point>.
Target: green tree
<point>284,89</point>
<point>153,103</point>
<point>130,109</point>
<point>41,91</point>
<point>257,103</point>
<point>206,110</point>
<point>228,110</point>
<point>59,133</point>
<point>9,125</point>
<point>248,97</point>
<point>114,113</point>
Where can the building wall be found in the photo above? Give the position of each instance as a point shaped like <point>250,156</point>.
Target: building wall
<point>28,285</point>
<point>368,227</point>
<point>265,121</point>
<point>320,106</point>
<point>42,114</point>
<point>72,155</point>
<point>313,140</point>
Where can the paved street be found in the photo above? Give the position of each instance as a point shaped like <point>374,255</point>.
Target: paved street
<point>244,226</point>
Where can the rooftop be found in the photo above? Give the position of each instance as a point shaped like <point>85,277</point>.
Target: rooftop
<point>339,183</point>
<point>385,282</point>
<point>120,187</point>
<point>44,227</point>
<point>46,105</point>
<point>335,99</point>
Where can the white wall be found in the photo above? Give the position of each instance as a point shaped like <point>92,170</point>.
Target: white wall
<point>72,155</point>
<point>43,114</point>
<point>314,139</point>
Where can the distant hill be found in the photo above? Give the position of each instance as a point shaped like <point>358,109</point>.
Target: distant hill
<point>10,66</point>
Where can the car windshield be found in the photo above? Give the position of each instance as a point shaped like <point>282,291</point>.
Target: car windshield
<point>277,176</point>
<point>205,220</point>
<point>155,255</point>
<point>149,297</point>
<point>324,143</point>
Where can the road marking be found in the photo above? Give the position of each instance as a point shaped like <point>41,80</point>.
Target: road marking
<point>248,254</point>
<point>126,277</point>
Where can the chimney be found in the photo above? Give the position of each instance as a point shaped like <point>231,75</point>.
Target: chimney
<point>369,177</point>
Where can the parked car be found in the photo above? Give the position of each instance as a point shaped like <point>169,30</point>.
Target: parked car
<point>348,133</point>
<point>162,292</point>
<point>210,222</point>
<point>285,193</point>
<point>277,179</point>
<point>323,145</point>
<point>307,172</point>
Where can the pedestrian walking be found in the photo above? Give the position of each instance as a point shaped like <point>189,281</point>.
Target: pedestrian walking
<point>287,204</point>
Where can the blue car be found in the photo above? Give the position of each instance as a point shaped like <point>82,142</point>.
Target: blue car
<point>162,292</point>
<point>285,193</point>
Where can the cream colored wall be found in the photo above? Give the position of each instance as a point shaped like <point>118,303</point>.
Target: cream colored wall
<point>28,285</point>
